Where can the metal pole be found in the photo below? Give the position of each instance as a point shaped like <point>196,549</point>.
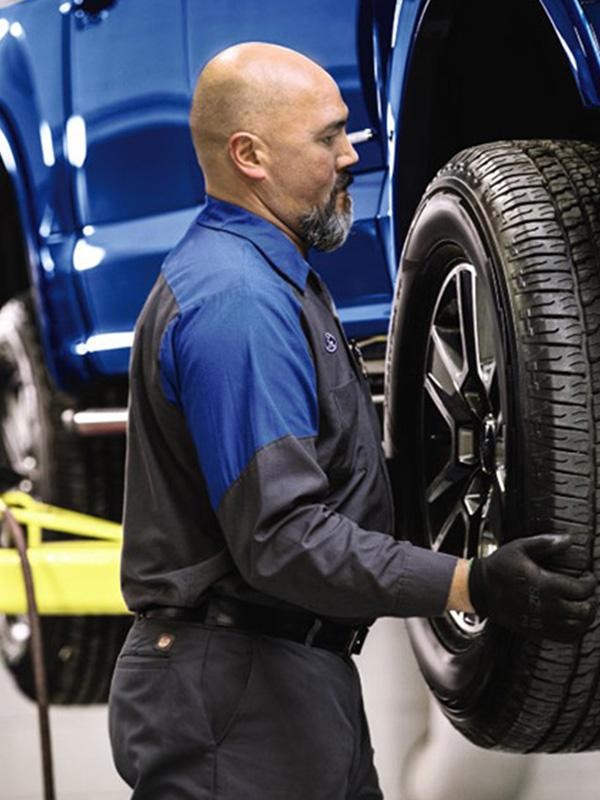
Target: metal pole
<point>37,655</point>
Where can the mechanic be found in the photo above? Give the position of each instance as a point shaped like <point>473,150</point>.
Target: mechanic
<point>258,542</point>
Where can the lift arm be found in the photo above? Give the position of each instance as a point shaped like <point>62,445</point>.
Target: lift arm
<point>73,576</point>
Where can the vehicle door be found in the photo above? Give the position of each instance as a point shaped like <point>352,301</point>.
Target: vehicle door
<point>136,183</point>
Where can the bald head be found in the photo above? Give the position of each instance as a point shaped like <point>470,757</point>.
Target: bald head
<point>254,87</point>
<point>269,128</point>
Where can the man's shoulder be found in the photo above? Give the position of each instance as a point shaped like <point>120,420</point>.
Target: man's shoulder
<point>209,265</point>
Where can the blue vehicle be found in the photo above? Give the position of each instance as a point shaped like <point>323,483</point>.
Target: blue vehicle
<point>474,259</point>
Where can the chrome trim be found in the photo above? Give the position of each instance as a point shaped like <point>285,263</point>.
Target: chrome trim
<point>360,137</point>
<point>96,421</point>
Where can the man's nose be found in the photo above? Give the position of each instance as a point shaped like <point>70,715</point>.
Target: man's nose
<point>348,157</point>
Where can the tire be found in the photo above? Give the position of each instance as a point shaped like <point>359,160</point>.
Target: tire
<point>491,419</point>
<point>60,468</point>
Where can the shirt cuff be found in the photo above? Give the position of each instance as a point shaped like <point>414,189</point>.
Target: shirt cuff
<point>424,586</point>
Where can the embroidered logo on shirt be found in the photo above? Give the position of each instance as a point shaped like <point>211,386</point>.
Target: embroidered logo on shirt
<point>331,344</point>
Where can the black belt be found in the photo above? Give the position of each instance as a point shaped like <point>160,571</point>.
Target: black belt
<point>304,628</point>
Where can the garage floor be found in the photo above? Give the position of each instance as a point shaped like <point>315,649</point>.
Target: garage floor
<point>399,711</point>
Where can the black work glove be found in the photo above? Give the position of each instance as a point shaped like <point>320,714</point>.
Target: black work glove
<point>513,588</point>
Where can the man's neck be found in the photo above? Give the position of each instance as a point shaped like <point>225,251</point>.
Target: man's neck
<point>254,204</point>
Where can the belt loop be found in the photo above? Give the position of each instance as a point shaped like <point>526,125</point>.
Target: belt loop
<point>215,613</point>
<point>313,630</point>
<point>357,640</point>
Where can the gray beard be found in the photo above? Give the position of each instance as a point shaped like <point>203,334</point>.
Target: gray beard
<point>326,228</point>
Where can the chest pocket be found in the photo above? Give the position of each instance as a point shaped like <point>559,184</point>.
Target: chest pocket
<point>343,435</point>
<point>345,403</point>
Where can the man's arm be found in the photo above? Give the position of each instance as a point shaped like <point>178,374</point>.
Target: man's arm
<point>459,598</point>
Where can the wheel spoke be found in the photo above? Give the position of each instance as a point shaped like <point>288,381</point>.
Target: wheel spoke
<point>476,500</point>
<point>450,406</point>
<point>451,476</point>
<point>495,510</point>
<point>444,362</point>
<point>447,508</point>
<point>467,309</point>
<point>476,333</point>
<point>455,518</point>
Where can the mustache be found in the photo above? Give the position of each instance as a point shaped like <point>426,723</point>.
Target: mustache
<point>344,180</point>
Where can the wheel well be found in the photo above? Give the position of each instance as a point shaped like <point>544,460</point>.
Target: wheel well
<point>13,261</point>
<point>477,77</point>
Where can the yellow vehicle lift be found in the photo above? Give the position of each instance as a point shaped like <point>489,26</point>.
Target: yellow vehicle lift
<point>78,576</point>
<point>75,576</point>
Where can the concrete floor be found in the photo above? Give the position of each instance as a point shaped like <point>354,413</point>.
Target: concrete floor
<point>83,769</point>
<point>400,714</point>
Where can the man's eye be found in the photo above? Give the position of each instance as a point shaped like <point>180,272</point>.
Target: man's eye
<point>328,140</point>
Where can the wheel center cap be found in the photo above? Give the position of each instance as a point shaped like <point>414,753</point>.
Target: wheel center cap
<point>487,445</point>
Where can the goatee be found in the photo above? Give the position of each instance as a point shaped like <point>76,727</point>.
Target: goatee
<point>326,228</point>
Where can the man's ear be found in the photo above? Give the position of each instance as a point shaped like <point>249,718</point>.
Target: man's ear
<point>245,152</point>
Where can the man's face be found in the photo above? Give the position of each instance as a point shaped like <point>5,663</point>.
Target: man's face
<point>309,155</point>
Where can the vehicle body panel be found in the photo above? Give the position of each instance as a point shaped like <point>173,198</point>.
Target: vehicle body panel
<point>105,171</point>
<point>577,25</point>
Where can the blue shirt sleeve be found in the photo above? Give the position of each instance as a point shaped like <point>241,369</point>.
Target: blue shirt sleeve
<point>239,368</point>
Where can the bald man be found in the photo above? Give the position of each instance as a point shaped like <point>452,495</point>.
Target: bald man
<point>258,522</point>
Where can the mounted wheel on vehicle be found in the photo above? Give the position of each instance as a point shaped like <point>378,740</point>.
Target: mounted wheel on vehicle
<point>492,408</point>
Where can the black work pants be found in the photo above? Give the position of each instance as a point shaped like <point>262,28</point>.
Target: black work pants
<point>200,712</point>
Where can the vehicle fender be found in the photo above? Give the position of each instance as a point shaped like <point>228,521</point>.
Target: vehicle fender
<point>47,301</point>
<point>38,177</point>
<point>10,156</point>
<point>576,24</point>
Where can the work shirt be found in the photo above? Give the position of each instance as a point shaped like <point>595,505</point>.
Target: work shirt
<point>254,463</point>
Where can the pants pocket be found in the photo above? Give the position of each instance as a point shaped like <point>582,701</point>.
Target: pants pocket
<point>225,679</point>
<point>135,728</point>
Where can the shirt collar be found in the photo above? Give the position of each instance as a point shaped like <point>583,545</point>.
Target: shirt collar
<point>272,242</point>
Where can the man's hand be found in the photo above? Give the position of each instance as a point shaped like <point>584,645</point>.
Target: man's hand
<point>515,588</point>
